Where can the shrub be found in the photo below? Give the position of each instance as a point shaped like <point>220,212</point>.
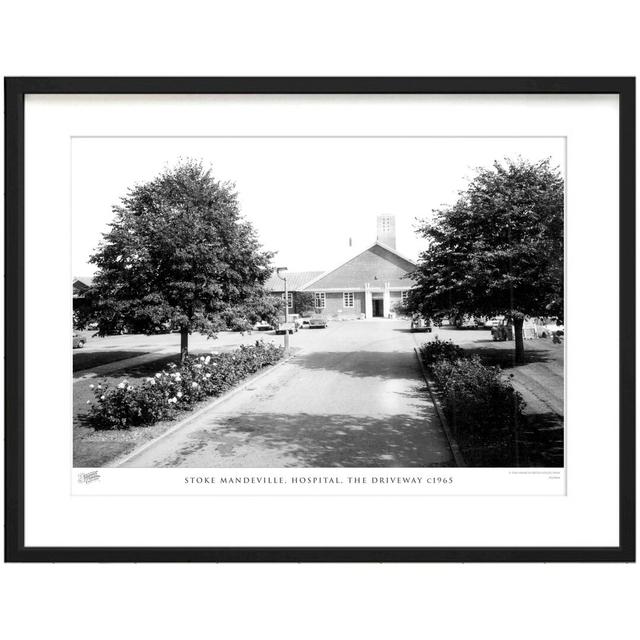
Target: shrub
<point>437,350</point>
<point>177,388</point>
<point>483,408</point>
<point>476,396</point>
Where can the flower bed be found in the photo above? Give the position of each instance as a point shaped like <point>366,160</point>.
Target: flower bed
<point>483,408</point>
<point>177,388</point>
<point>438,350</point>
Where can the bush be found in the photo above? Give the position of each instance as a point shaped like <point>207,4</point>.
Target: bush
<point>483,408</point>
<point>177,388</point>
<point>477,398</point>
<point>437,350</point>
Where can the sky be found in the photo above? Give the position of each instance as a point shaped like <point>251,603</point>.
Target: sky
<point>306,197</point>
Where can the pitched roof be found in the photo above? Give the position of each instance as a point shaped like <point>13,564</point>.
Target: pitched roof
<point>87,281</point>
<point>295,280</point>
<point>375,247</point>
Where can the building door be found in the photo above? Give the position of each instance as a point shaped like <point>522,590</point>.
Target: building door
<point>378,311</point>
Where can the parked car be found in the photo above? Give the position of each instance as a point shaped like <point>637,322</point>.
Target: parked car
<point>551,329</point>
<point>263,325</point>
<point>304,323</point>
<point>467,322</point>
<point>78,341</point>
<point>495,321</point>
<point>418,323</point>
<point>502,331</point>
<point>291,326</point>
<point>317,322</point>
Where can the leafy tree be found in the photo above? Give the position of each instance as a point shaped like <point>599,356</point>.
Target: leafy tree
<point>498,250</point>
<point>180,256</point>
<point>402,308</point>
<point>303,302</point>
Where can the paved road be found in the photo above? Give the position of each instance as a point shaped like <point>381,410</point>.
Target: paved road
<point>352,396</point>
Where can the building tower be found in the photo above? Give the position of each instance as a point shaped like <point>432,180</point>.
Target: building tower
<point>387,231</point>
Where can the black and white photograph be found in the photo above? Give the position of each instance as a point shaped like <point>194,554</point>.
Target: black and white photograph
<point>306,319</point>
<point>318,302</point>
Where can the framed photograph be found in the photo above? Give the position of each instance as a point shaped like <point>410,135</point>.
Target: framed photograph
<point>320,319</point>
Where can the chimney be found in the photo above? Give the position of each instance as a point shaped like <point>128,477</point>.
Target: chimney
<point>387,231</point>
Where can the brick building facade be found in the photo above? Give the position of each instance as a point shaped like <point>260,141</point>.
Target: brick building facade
<point>368,285</point>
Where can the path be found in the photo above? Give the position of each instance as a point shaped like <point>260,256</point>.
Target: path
<point>352,397</point>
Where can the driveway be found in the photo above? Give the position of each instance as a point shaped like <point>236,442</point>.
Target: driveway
<point>351,396</point>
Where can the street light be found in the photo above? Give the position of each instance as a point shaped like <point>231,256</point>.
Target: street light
<point>279,272</point>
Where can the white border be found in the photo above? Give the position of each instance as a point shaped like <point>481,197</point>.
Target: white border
<point>586,516</point>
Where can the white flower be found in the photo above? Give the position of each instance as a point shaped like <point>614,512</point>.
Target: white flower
<point>88,401</point>
<point>101,397</point>
<point>99,386</point>
<point>172,400</point>
<point>202,358</point>
<point>121,385</point>
<point>207,375</point>
<point>158,375</point>
<point>129,388</point>
<point>91,386</point>
<point>215,364</point>
<point>153,382</point>
<point>194,384</point>
<point>179,394</point>
<point>207,360</point>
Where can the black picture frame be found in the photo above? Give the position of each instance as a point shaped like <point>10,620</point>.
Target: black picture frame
<point>15,91</point>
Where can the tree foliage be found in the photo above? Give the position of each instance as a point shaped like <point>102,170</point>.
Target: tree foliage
<point>179,255</point>
<point>303,302</point>
<point>498,250</point>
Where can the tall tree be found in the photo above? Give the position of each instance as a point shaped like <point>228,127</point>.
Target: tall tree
<point>179,255</point>
<point>498,250</point>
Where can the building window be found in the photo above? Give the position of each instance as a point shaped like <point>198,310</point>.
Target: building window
<point>289,300</point>
<point>347,299</point>
<point>319,300</point>
<point>405,297</point>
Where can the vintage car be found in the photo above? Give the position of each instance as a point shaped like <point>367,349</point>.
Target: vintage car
<point>418,323</point>
<point>494,322</point>
<point>317,322</point>
<point>290,326</point>
<point>263,325</point>
<point>78,341</point>
<point>502,331</point>
<point>553,329</point>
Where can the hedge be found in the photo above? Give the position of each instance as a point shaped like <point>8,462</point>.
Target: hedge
<point>483,408</point>
<point>177,388</point>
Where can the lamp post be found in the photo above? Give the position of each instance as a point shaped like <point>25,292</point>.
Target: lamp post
<point>279,272</point>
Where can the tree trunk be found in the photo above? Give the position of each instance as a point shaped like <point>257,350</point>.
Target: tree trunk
<point>184,344</point>
<point>518,321</point>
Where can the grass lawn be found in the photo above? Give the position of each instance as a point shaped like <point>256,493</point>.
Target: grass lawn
<point>96,448</point>
<point>83,360</point>
<point>93,448</point>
